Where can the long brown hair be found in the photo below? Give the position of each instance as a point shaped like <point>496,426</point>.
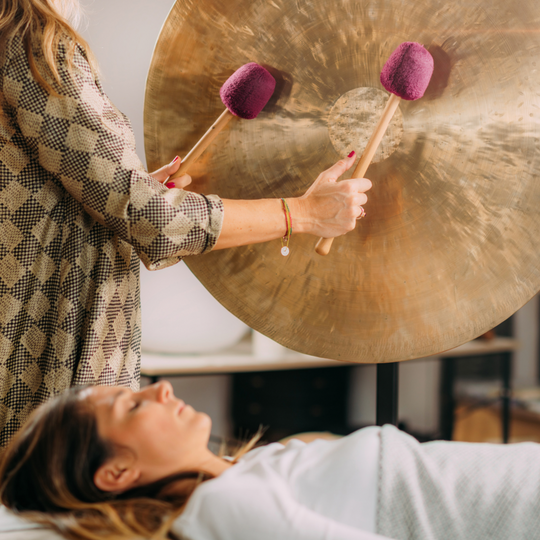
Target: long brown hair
<point>47,475</point>
<point>41,28</point>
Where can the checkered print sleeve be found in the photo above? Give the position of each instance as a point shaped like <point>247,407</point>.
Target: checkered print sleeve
<point>87,144</point>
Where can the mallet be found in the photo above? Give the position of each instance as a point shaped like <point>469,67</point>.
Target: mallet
<point>405,75</point>
<point>245,93</point>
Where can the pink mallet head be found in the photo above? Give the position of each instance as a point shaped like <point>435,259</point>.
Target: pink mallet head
<point>408,71</point>
<point>247,90</point>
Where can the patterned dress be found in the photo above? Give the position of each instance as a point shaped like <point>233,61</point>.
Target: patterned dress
<point>77,214</point>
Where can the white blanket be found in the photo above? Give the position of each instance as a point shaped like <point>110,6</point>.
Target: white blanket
<point>457,491</point>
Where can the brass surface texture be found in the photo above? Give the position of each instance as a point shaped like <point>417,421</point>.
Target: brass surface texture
<point>450,246</point>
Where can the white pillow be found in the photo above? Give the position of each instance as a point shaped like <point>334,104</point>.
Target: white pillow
<point>11,522</point>
<point>31,534</point>
<point>13,527</point>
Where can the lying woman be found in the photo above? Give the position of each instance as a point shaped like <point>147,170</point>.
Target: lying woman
<point>106,462</point>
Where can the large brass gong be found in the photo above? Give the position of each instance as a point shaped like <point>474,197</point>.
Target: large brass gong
<point>450,246</point>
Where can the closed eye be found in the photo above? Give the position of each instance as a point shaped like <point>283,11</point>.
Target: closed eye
<point>134,406</point>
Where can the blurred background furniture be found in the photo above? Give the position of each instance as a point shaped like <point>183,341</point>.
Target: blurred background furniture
<point>292,392</point>
<point>479,361</point>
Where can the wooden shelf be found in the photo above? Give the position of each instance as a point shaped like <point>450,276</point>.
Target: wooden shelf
<point>240,358</point>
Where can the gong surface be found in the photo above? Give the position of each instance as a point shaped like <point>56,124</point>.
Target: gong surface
<point>450,244</point>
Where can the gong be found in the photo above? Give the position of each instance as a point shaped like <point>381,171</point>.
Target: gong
<point>450,246</point>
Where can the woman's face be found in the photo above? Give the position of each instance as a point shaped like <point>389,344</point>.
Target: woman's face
<point>157,432</point>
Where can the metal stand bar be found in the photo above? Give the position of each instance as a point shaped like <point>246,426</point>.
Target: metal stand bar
<point>387,393</point>
<point>447,398</point>
<point>506,395</point>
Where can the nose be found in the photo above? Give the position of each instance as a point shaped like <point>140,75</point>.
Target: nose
<point>164,391</point>
<point>160,391</point>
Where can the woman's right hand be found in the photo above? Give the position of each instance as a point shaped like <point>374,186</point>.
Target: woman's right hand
<point>330,208</point>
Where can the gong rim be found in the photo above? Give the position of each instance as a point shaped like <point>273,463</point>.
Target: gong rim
<point>447,250</point>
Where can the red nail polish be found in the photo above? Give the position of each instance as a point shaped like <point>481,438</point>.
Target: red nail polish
<point>351,154</point>
<point>175,160</point>
<point>170,185</point>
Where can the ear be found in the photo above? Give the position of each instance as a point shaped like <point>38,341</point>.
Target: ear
<point>116,475</point>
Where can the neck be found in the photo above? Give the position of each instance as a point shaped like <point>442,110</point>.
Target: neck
<point>209,464</point>
<point>214,465</point>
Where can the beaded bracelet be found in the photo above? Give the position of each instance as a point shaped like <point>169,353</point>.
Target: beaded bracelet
<point>288,223</point>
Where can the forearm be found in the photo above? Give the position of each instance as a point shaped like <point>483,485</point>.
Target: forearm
<point>328,209</point>
<point>262,220</point>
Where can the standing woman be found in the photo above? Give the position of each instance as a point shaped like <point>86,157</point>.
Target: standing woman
<point>78,212</point>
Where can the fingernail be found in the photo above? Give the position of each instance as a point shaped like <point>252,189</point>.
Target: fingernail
<point>170,185</point>
<point>175,160</point>
<point>351,154</point>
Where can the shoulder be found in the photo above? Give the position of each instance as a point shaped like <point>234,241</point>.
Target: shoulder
<point>253,474</point>
<point>15,73</point>
<point>252,470</point>
<point>241,504</point>
<point>69,58</point>
<point>12,51</point>
<point>267,451</point>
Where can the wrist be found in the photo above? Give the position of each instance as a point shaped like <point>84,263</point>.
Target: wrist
<point>301,221</point>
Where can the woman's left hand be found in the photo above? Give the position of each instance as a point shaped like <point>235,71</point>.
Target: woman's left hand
<point>162,175</point>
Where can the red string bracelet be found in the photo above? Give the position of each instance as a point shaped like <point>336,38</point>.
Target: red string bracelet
<point>288,224</point>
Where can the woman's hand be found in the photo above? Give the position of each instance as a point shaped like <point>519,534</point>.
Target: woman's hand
<point>163,174</point>
<point>330,208</point>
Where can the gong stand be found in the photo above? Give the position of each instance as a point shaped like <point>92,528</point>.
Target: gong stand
<point>387,394</point>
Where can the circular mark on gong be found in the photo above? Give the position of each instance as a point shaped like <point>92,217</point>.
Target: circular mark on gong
<point>353,119</point>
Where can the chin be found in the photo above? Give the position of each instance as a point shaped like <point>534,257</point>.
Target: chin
<point>203,422</point>
<point>204,418</point>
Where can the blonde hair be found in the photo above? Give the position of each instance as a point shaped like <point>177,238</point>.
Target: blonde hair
<point>47,475</point>
<point>42,25</point>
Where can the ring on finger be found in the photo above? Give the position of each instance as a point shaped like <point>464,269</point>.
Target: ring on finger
<point>362,213</point>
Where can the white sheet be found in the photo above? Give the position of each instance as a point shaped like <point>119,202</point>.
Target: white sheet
<point>11,522</point>
<point>13,527</point>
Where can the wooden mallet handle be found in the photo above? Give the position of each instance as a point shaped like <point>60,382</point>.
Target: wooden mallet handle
<point>324,244</point>
<point>203,143</point>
